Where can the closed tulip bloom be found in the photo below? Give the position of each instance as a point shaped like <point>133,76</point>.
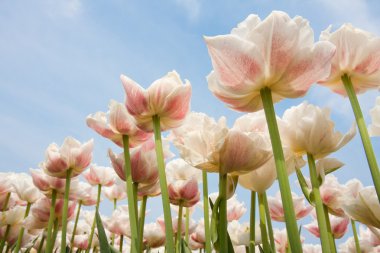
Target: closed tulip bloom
<point>277,212</point>
<point>116,123</point>
<point>116,191</point>
<point>167,97</point>
<point>339,226</point>
<point>239,233</point>
<point>153,236</point>
<point>71,155</point>
<point>374,127</point>
<point>197,238</point>
<point>278,52</point>
<point>119,221</point>
<point>357,55</point>
<point>365,207</point>
<point>99,175</point>
<point>25,189</point>
<point>305,137</point>
<point>81,241</point>
<point>184,192</point>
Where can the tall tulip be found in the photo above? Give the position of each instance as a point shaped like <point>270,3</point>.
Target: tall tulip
<point>259,58</point>
<point>355,69</point>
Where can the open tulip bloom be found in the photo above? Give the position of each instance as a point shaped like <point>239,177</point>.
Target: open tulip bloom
<point>259,63</point>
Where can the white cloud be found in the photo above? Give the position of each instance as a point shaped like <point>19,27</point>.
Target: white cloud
<point>192,7</point>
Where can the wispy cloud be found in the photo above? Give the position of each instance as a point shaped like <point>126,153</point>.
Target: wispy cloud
<point>192,7</point>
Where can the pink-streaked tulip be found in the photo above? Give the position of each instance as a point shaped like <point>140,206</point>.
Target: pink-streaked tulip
<point>46,184</point>
<point>116,123</point>
<point>374,127</point>
<point>331,194</point>
<point>281,240</point>
<point>82,227</point>
<point>153,236</point>
<point>277,212</point>
<point>370,234</point>
<point>143,162</point>
<point>6,179</point>
<point>192,225</point>
<point>278,52</point>
<point>13,216</point>
<point>99,175</point>
<point>339,226</point>
<point>194,244</point>
<point>81,241</point>
<point>235,208</point>
<point>365,207</point>
<point>357,55</point>
<point>12,202</point>
<point>150,190</point>
<point>209,145</point>
<point>117,191</point>
<point>119,221</point>
<point>197,239</point>
<point>71,155</point>
<point>86,194</point>
<point>178,169</point>
<point>13,235</point>
<point>310,248</point>
<point>184,192</point>
<point>239,233</point>
<point>167,97</point>
<point>304,137</point>
<point>349,246</point>
<point>25,189</point>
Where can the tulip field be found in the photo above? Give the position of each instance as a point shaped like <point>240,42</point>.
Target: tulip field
<point>162,151</point>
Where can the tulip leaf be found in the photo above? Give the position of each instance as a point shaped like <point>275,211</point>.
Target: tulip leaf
<point>215,222</point>
<point>304,187</point>
<point>261,249</point>
<point>113,249</point>
<point>185,247</point>
<point>230,246</point>
<point>103,241</point>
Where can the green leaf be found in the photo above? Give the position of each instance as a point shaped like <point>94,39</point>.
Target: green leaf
<point>214,222</point>
<point>185,247</point>
<point>113,249</point>
<point>103,241</point>
<point>304,187</point>
<point>230,246</point>
<point>261,249</point>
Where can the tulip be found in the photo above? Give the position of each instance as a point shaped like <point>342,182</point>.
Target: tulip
<point>98,175</point>
<point>277,212</point>
<point>177,229</point>
<point>332,195</point>
<point>240,233</point>
<point>168,98</point>
<point>116,123</point>
<point>197,239</point>
<point>356,65</point>
<point>153,236</point>
<point>365,207</point>
<point>310,248</point>
<point>374,128</point>
<point>9,200</point>
<point>116,192</point>
<point>119,221</point>
<point>339,226</point>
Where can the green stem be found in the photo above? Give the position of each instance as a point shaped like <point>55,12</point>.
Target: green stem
<point>55,231</point>
<point>94,220</point>
<point>49,246</point>
<point>114,204</point>
<point>206,212</point>
<point>121,243</point>
<point>222,235</point>
<point>371,158</point>
<point>282,175</point>
<point>41,246</point>
<point>2,244</point>
<point>113,235</point>
<point>21,233</point>
<point>179,227</point>
<point>252,225</point>
<point>357,244</point>
<point>131,202</point>
<point>65,210</point>
<point>269,223</point>
<point>142,221</point>
<point>247,250</point>
<point>135,189</point>
<point>163,185</point>
<point>263,227</point>
<point>187,224</point>
<point>75,224</point>
<point>322,224</point>
<point>329,231</point>
<point>6,202</point>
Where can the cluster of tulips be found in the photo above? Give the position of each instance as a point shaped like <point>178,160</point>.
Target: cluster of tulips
<point>258,64</point>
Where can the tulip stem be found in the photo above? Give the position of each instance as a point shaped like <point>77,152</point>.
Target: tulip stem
<point>163,185</point>
<point>21,233</point>
<point>142,221</point>
<point>5,205</point>
<point>322,224</point>
<point>269,223</point>
<point>113,234</point>
<point>49,246</point>
<point>65,209</point>
<point>206,212</point>
<point>222,235</point>
<point>41,246</point>
<point>252,225</point>
<point>135,190</point>
<point>94,220</point>
<point>357,244</point>
<point>282,175</point>
<point>2,244</point>
<point>75,224</point>
<point>328,224</point>
<point>55,231</point>
<point>187,225</point>
<point>121,243</point>
<point>179,228</point>
<point>130,198</point>
<point>371,158</point>
<point>263,227</point>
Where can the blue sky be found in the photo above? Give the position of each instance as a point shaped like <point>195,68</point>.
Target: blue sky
<point>60,60</point>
